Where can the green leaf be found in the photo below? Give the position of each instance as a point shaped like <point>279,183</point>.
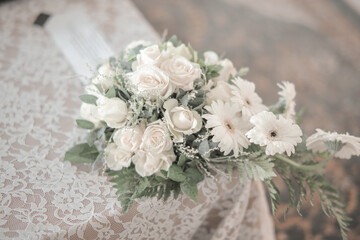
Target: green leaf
<point>274,195</point>
<point>185,100</point>
<point>243,71</point>
<point>214,68</point>
<point>194,175</point>
<point>182,160</point>
<point>160,192</point>
<point>212,71</point>
<point>201,62</point>
<point>190,190</point>
<point>300,116</point>
<point>160,179</point>
<point>89,99</point>
<point>176,191</point>
<point>142,185</point>
<point>241,172</point>
<point>84,124</point>
<point>82,153</point>
<point>259,168</point>
<point>99,156</point>
<point>95,135</point>
<point>113,62</point>
<point>154,117</point>
<point>167,191</point>
<point>163,172</point>
<point>176,174</point>
<point>175,41</point>
<point>132,53</point>
<point>111,93</point>
<point>204,149</point>
<point>192,52</point>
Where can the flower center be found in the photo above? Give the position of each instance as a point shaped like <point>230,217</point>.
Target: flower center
<point>229,126</point>
<point>273,133</point>
<point>247,101</point>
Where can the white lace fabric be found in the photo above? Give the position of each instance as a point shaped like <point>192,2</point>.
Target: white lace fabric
<point>43,197</point>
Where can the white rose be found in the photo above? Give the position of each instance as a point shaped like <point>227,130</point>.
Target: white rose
<point>211,58</point>
<point>105,78</point>
<point>227,69</point>
<point>182,72</point>
<point>149,55</point>
<point>129,138</point>
<point>113,111</point>
<point>89,112</point>
<point>180,120</point>
<point>222,92</point>
<point>156,138</point>
<point>116,158</point>
<point>151,81</point>
<point>181,50</point>
<point>148,163</point>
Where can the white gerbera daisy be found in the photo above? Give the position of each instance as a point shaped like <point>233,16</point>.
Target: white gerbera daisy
<point>228,127</point>
<point>317,143</point>
<point>279,135</point>
<point>245,96</point>
<point>288,94</point>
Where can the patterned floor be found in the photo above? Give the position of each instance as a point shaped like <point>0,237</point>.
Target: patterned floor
<point>315,44</point>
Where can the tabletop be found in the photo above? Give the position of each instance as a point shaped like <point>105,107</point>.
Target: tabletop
<point>43,197</point>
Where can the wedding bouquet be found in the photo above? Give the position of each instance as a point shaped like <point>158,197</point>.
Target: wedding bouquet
<point>163,117</point>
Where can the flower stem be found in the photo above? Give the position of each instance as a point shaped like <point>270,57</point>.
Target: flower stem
<point>313,167</point>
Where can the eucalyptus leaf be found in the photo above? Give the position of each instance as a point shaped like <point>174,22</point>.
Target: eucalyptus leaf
<point>82,153</point>
<point>204,148</point>
<point>194,175</point>
<point>95,135</point>
<point>175,41</point>
<point>99,88</point>
<point>84,124</point>
<point>213,144</point>
<point>185,100</point>
<point>91,138</point>
<point>190,190</point>
<point>182,160</point>
<point>180,93</point>
<point>214,68</point>
<point>113,62</point>
<point>176,174</point>
<point>154,117</point>
<point>89,99</point>
<point>201,62</point>
<point>111,93</point>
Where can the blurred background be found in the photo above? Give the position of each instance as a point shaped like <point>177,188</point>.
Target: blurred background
<point>314,44</point>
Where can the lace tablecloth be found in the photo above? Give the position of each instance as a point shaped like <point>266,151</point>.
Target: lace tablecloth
<point>43,197</point>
